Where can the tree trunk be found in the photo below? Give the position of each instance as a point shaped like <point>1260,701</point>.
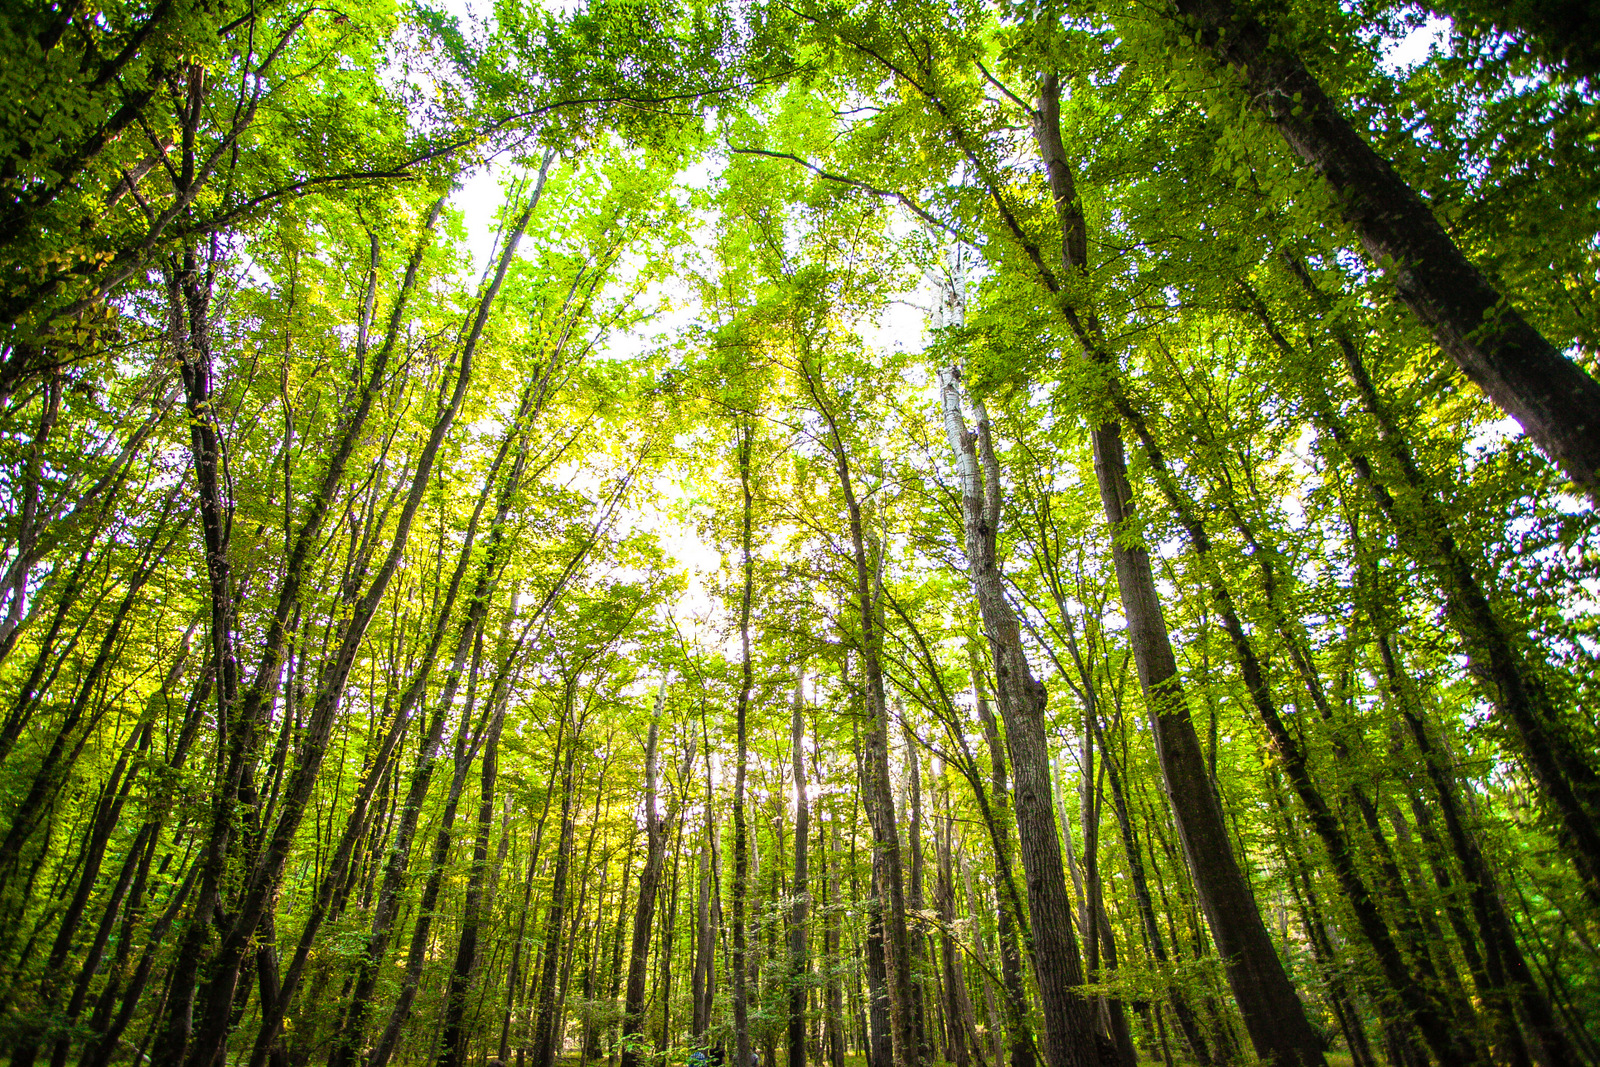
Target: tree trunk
<point>799,965</point>
<point>741,845</point>
<point>1411,991</point>
<point>1273,1013</point>
<point>655,831</point>
<point>877,788</point>
<point>1069,1030</point>
<point>452,1050</point>
<point>1556,403</point>
<point>546,1028</point>
<point>1011,925</point>
<point>914,896</point>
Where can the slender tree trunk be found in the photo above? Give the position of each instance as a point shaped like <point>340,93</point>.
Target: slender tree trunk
<point>547,1029</point>
<point>914,896</point>
<point>741,844</point>
<point>878,790</point>
<point>518,946</point>
<point>1182,1011</point>
<point>452,1045</point>
<point>1550,1045</point>
<point>799,965</point>
<point>1565,775</point>
<point>833,995</point>
<point>1273,1013</point>
<point>962,1020</point>
<point>669,923</point>
<point>190,297</point>
<point>1412,991</point>
<point>1010,924</point>
<point>655,830</point>
<point>266,873</point>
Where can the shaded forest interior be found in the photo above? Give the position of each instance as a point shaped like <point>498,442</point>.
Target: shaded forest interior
<point>791,533</point>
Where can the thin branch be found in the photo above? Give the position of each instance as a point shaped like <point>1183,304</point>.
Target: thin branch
<point>857,183</point>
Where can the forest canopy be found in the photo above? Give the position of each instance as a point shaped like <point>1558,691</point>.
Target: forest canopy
<point>1041,534</point>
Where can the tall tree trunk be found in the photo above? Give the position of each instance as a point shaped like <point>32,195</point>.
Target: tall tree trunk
<point>452,1050</point>
<point>669,921</point>
<point>1182,1010</point>
<point>878,790</point>
<point>799,965</point>
<point>705,959</point>
<point>614,972</point>
<point>1273,1013</point>
<point>963,1025</point>
<point>914,895</point>
<point>1550,1044</point>
<point>1556,403</point>
<point>1069,1030</point>
<point>833,992</point>
<point>1010,923</point>
<point>546,1028</point>
<point>741,844</point>
<point>190,297</point>
<point>1412,991</point>
<point>655,832</point>
<point>266,873</point>
<point>1503,668</point>
<point>518,944</point>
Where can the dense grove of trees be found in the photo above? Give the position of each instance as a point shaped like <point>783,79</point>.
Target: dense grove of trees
<point>1040,535</point>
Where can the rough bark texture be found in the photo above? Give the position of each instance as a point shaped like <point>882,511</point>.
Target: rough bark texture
<point>1069,1031</point>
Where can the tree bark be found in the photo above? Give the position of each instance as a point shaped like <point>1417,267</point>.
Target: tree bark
<point>1069,1030</point>
<point>1010,923</point>
<point>452,1050</point>
<point>1418,1001</point>
<point>741,845</point>
<point>878,791</point>
<point>546,1030</point>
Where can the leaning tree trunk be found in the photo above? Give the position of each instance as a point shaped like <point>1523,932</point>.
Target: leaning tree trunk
<point>1557,404</point>
<point>1505,671</point>
<point>265,876</point>
<point>452,1050</point>
<point>1410,991</point>
<point>1273,1013</point>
